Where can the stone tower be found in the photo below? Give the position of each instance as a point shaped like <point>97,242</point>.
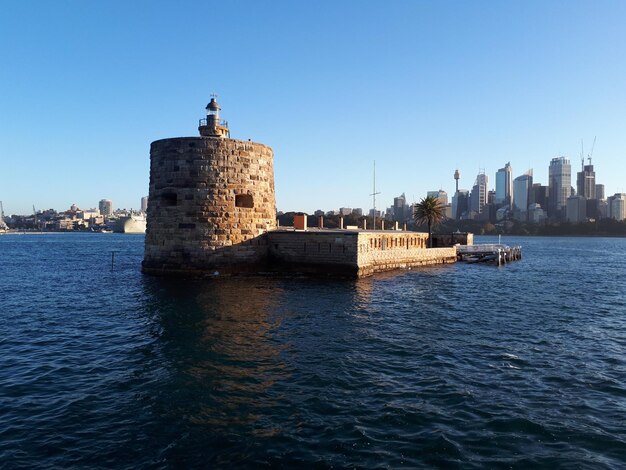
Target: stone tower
<point>211,201</point>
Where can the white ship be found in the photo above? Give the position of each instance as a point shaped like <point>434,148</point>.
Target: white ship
<point>3,225</point>
<point>134,223</point>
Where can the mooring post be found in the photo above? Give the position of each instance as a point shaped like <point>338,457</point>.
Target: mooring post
<point>112,259</point>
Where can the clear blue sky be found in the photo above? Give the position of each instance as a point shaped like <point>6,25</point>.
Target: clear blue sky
<point>422,87</point>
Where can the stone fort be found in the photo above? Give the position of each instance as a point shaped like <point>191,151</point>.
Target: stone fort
<point>210,200</point>
<point>212,209</point>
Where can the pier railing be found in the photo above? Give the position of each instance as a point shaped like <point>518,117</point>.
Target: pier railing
<point>493,247</point>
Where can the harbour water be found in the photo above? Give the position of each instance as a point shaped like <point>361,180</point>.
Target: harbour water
<point>458,366</point>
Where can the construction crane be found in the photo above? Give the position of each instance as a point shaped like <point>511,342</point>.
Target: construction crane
<point>592,147</point>
<point>589,155</point>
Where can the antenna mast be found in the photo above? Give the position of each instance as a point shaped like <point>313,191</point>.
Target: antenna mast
<point>374,195</point>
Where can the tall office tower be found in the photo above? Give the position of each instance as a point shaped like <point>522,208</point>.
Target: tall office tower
<point>460,204</point>
<point>400,209</point>
<point>522,189</point>
<point>600,192</point>
<point>560,186</point>
<point>478,197</point>
<point>504,186</point>
<point>144,204</point>
<point>617,206</point>
<point>441,195</point>
<point>539,195</point>
<point>106,207</point>
<point>586,182</point>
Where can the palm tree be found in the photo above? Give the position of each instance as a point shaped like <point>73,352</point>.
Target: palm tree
<point>430,211</point>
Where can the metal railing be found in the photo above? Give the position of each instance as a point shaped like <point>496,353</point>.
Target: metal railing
<point>204,122</point>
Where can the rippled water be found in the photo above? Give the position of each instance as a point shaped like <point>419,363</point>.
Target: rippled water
<point>460,366</point>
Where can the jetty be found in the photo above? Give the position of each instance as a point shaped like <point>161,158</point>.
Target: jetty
<point>495,253</point>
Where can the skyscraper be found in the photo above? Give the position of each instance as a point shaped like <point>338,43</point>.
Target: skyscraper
<point>600,192</point>
<point>460,204</point>
<point>617,206</point>
<point>560,184</point>
<point>504,186</point>
<point>522,188</point>
<point>441,196</point>
<point>478,197</point>
<point>400,209</point>
<point>586,182</point>
<point>144,204</point>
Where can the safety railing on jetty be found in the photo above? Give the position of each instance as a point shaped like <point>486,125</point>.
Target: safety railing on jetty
<point>489,253</point>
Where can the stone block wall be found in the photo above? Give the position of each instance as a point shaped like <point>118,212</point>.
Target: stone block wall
<point>314,251</point>
<point>354,253</point>
<point>380,251</point>
<point>210,203</point>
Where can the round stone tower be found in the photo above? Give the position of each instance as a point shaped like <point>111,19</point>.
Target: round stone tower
<point>211,201</point>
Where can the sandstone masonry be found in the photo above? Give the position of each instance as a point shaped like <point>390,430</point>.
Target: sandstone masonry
<point>352,252</point>
<point>211,200</point>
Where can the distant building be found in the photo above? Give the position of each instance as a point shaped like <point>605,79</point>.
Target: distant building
<point>478,196</point>
<point>400,209</point>
<point>504,186</point>
<point>106,207</point>
<point>617,206</point>
<point>586,182</point>
<point>460,204</point>
<point>539,195</point>
<point>522,188</point>
<point>576,211</point>
<point>345,211</point>
<point>144,204</point>
<point>560,186</point>
<point>358,211</point>
<point>536,214</point>
<point>600,196</point>
<point>88,215</point>
<point>441,196</point>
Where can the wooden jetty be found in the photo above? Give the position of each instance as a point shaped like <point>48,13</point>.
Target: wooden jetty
<point>489,253</point>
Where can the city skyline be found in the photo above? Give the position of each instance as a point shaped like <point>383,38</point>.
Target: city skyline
<point>421,88</point>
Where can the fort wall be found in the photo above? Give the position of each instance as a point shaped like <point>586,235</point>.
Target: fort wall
<point>210,202</point>
<point>352,253</point>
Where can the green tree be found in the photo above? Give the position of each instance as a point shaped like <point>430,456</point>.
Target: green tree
<point>431,212</point>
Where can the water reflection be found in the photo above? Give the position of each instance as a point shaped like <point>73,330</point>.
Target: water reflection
<point>216,339</point>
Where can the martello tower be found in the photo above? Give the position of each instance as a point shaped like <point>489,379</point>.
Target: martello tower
<point>211,201</point>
